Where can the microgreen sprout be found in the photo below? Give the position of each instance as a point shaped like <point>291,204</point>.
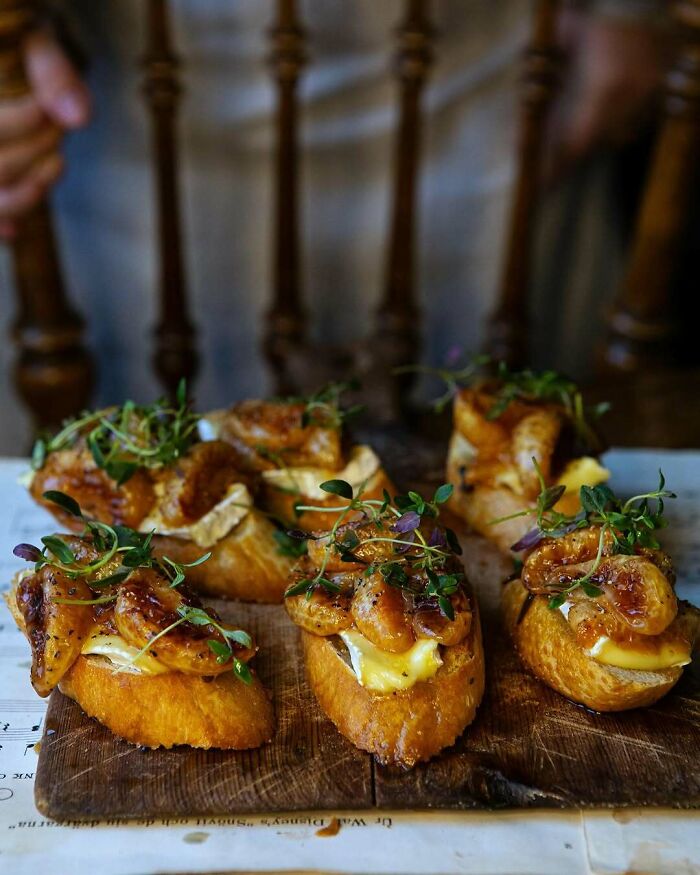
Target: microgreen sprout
<point>403,517</point>
<point>132,550</point>
<point>121,546</point>
<point>527,386</point>
<point>323,407</point>
<point>124,439</point>
<point>624,526</point>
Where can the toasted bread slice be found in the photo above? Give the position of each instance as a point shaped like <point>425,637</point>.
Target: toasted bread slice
<point>406,726</point>
<point>245,564</point>
<point>480,505</point>
<point>281,503</point>
<point>548,647</point>
<point>165,710</point>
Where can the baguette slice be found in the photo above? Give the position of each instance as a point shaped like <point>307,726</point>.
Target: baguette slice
<point>407,726</point>
<point>482,504</point>
<point>281,503</point>
<point>170,709</point>
<point>245,564</point>
<point>548,647</point>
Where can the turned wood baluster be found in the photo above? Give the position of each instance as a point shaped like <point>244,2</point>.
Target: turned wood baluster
<point>53,371</point>
<point>398,332</point>
<point>507,331</point>
<point>285,319</point>
<point>641,327</point>
<point>175,354</point>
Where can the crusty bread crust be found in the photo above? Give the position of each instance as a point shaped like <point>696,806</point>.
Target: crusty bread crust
<point>547,646</point>
<point>169,709</point>
<point>481,504</point>
<point>407,726</point>
<point>281,504</point>
<point>245,564</point>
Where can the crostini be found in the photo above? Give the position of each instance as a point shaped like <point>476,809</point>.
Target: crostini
<point>505,429</point>
<point>593,612</point>
<point>118,631</point>
<point>390,627</point>
<point>293,445</point>
<point>146,467</point>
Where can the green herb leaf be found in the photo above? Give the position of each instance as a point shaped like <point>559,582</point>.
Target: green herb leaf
<point>222,651</point>
<point>65,502</point>
<point>38,454</point>
<point>288,546</point>
<point>443,493</point>
<point>338,487</point>
<point>59,549</point>
<point>242,672</point>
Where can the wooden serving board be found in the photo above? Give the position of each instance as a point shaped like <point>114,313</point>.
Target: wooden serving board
<point>528,747</point>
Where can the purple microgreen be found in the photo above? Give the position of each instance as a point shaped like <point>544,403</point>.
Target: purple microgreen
<point>407,522</point>
<point>410,539</point>
<point>438,538</point>
<point>529,540</point>
<point>28,552</point>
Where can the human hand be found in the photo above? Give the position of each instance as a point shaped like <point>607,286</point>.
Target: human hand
<point>32,127</point>
<point>612,84</point>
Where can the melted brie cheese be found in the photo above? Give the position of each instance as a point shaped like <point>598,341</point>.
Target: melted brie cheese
<point>667,655</point>
<point>584,471</point>
<point>385,672</point>
<point>122,655</point>
<point>461,452</point>
<point>211,527</point>
<point>362,465</point>
<point>209,426</point>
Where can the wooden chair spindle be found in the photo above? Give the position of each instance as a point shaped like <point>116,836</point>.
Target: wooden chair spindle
<point>398,315</point>
<point>286,319</point>
<point>175,353</point>
<point>641,326</point>
<point>507,332</point>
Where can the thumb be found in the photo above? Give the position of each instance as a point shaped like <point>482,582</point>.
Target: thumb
<point>56,85</point>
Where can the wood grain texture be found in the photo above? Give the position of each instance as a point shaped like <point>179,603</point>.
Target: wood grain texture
<point>528,748</point>
<point>53,372</point>
<point>85,771</point>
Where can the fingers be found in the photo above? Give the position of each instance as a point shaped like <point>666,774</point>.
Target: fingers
<point>58,88</point>
<point>17,158</point>
<point>19,197</point>
<point>613,82</point>
<point>31,128</point>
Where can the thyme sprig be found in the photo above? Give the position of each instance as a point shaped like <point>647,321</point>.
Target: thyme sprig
<point>124,439</point>
<point>401,516</point>
<point>323,407</point>
<point>527,386</point>
<point>627,525</point>
<point>132,549</point>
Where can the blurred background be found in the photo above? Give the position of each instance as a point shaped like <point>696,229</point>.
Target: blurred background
<point>427,241</point>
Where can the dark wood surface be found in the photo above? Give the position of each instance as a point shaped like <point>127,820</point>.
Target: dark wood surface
<point>528,748</point>
<point>84,771</point>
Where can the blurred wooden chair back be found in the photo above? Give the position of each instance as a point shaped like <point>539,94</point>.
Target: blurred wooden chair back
<point>54,373</point>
